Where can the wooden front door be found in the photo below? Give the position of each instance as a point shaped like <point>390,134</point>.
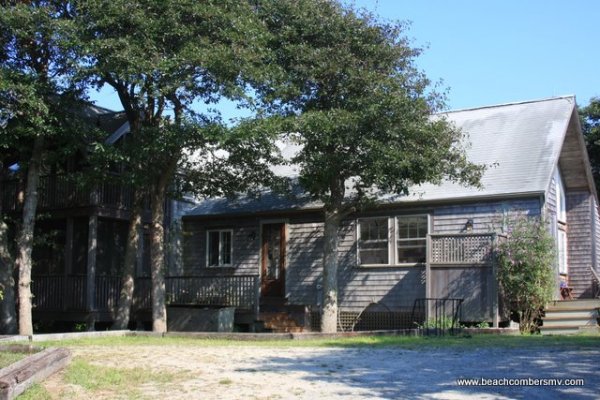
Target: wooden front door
<point>273,260</point>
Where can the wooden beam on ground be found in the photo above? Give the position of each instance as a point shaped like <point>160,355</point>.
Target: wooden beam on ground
<point>17,377</point>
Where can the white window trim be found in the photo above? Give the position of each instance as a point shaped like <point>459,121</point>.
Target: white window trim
<point>392,240</point>
<point>564,260</point>
<point>390,233</point>
<point>220,265</point>
<point>561,197</point>
<point>396,238</point>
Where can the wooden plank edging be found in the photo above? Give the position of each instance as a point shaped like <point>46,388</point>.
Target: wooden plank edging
<point>17,377</point>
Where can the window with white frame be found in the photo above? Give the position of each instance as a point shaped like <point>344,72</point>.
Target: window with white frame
<point>561,200</point>
<point>562,252</point>
<point>218,248</point>
<point>392,241</point>
<point>411,239</point>
<point>373,241</point>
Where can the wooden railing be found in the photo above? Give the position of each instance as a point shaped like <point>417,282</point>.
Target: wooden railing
<point>68,293</point>
<point>236,291</point>
<point>59,292</point>
<point>467,248</point>
<point>61,191</point>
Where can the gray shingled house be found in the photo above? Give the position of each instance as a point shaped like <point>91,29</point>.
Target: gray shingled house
<point>263,253</point>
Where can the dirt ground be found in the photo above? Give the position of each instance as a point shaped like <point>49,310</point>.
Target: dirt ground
<point>254,372</point>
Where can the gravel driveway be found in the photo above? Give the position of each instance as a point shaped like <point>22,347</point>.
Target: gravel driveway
<point>255,372</point>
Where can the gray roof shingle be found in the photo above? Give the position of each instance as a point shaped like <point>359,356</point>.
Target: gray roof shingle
<point>519,142</point>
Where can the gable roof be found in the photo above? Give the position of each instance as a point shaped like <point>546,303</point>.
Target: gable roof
<point>519,142</point>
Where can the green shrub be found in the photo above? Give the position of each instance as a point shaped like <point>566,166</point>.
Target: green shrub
<point>525,270</point>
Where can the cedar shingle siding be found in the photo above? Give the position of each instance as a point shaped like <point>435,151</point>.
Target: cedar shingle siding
<point>579,237</point>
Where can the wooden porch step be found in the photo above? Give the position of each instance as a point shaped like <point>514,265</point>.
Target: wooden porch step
<point>570,313</point>
<point>581,304</point>
<point>559,330</point>
<point>280,322</point>
<point>567,322</point>
<point>564,317</point>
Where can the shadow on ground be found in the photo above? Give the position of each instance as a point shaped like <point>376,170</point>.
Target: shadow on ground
<point>395,373</point>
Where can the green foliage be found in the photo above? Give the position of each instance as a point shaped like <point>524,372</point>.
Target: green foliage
<point>9,357</point>
<point>36,392</point>
<point>525,270</point>
<point>37,96</point>
<point>440,323</point>
<point>590,124</point>
<point>168,61</point>
<point>475,341</point>
<point>358,105</point>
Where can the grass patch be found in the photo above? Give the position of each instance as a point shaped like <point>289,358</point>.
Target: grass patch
<point>9,357</point>
<point>225,381</point>
<point>409,342</point>
<point>35,392</point>
<point>94,378</point>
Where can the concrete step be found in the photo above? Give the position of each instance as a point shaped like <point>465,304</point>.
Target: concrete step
<point>584,304</point>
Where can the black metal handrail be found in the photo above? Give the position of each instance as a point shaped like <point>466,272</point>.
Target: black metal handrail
<point>437,315</point>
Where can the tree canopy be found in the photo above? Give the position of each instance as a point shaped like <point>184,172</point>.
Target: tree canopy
<point>360,109</point>
<point>590,124</point>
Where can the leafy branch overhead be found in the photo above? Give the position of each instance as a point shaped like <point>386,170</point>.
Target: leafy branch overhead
<point>349,94</point>
<point>361,108</point>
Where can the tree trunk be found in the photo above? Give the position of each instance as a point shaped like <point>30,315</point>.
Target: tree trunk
<point>157,251</point>
<point>329,315</point>
<point>128,276</point>
<point>157,261</point>
<point>25,238</point>
<point>8,313</point>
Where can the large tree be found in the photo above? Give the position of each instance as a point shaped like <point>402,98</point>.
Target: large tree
<point>361,111</point>
<point>164,59</point>
<point>590,124</point>
<point>36,123</point>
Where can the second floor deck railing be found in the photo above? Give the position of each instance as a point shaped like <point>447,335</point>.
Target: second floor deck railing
<point>63,191</point>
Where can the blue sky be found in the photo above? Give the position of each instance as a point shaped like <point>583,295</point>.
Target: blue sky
<point>503,51</point>
<point>488,53</point>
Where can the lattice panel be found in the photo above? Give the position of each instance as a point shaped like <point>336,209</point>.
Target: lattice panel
<point>464,249</point>
<point>370,321</point>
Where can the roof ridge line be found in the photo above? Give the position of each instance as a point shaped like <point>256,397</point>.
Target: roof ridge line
<point>569,96</point>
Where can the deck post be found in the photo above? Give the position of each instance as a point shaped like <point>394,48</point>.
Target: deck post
<point>428,294</point>
<point>256,296</point>
<point>68,268</point>
<point>91,265</point>
<point>495,311</point>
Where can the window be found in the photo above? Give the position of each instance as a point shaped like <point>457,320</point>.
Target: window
<point>377,238</point>
<point>218,248</point>
<point>562,251</point>
<point>411,239</point>
<point>561,202</point>
<point>373,241</point>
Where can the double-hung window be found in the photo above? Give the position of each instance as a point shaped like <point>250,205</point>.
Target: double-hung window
<point>392,241</point>
<point>218,248</point>
<point>373,241</point>
<point>411,239</point>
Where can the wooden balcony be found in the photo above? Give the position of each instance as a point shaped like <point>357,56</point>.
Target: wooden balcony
<point>62,191</point>
<point>69,293</point>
